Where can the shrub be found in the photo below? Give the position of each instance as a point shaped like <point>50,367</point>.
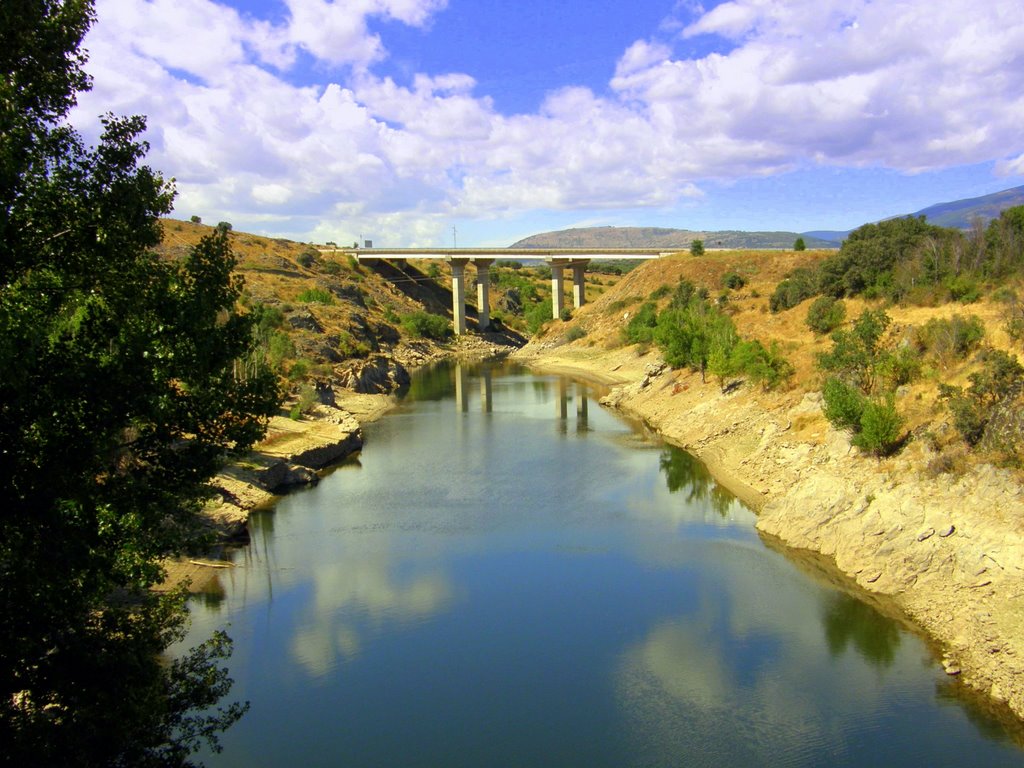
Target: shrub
<point>424,325</point>
<point>801,284</point>
<point>315,296</point>
<point>825,314</point>
<point>898,368</point>
<point>307,399</point>
<point>765,366</point>
<point>964,289</point>
<point>951,338</point>
<point>880,427</point>
<point>697,248</point>
<point>299,370</point>
<point>434,271</point>
<point>566,314</point>
<point>196,220</point>
<point>799,244</point>
<point>660,292</point>
<point>306,258</point>
<point>842,404</point>
<point>854,356</point>
<point>640,327</point>
<point>733,280</point>
<point>999,380</point>
<point>575,333</point>
<point>224,226</point>
<point>537,315</point>
<point>331,268</point>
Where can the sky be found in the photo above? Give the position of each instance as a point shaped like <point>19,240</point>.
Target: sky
<point>479,122</point>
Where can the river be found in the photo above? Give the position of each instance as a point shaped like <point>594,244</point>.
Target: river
<point>509,575</point>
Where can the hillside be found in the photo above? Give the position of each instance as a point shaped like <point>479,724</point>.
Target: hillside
<point>656,237</point>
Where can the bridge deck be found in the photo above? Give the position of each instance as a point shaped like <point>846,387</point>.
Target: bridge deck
<point>504,253</point>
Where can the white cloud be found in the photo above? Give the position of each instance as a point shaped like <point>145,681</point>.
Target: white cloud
<point>847,83</point>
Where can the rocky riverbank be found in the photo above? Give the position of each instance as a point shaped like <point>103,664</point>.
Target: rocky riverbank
<point>945,551</point>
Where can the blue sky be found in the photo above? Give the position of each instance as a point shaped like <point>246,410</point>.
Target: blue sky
<point>398,120</point>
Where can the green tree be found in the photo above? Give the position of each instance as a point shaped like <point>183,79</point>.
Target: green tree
<point>697,248</point>
<point>799,244</point>
<point>124,380</point>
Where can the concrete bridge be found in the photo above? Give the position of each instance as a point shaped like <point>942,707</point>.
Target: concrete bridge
<point>559,259</point>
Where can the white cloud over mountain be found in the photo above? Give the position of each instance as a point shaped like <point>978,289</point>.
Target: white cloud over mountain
<point>786,84</point>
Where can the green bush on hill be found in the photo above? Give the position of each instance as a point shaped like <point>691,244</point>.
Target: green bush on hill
<point>424,325</point>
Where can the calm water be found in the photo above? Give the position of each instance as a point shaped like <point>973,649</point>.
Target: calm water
<point>511,576</point>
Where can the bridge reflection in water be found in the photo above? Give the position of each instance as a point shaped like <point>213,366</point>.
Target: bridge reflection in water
<point>565,392</point>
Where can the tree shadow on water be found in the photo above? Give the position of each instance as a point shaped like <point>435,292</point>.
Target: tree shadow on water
<point>687,474</point>
<point>849,621</point>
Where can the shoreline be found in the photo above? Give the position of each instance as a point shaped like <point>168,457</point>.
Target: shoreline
<point>946,555</point>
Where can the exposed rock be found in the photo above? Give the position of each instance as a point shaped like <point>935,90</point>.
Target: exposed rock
<point>304,319</point>
<point>378,374</point>
<point>279,476</point>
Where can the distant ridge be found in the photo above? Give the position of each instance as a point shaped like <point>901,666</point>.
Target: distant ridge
<point>660,237</point>
<point>958,214</point>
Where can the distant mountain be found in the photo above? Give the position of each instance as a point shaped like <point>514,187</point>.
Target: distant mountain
<point>960,213</point>
<point>957,214</point>
<point>659,237</point>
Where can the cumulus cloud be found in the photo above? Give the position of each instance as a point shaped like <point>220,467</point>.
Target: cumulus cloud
<point>788,84</point>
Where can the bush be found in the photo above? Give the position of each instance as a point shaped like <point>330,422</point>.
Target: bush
<point>315,296</point>
<point>855,356</point>
<point>801,284</point>
<point>307,399</point>
<point>951,338</point>
<point>565,315</point>
<point>964,289</point>
<point>733,280</point>
<point>196,220</point>
<point>575,333</point>
<point>697,248</point>
<point>660,292</point>
<point>306,258</point>
<point>767,367</point>
<point>999,380</point>
<point>640,328</point>
<point>537,315</point>
<point>842,404</point>
<point>424,325</point>
<point>224,226</point>
<point>331,268</point>
<point>880,427</point>
<point>799,244</point>
<point>825,314</point>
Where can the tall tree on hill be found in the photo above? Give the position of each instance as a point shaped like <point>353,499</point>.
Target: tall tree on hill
<point>120,391</point>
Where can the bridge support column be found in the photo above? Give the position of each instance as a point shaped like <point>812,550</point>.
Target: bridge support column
<point>556,290</point>
<point>483,285</point>
<point>578,285</point>
<point>459,295</point>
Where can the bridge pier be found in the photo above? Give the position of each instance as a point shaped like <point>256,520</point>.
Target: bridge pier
<point>458,295</point>
<point>579,268</point>
<point>483,286</point>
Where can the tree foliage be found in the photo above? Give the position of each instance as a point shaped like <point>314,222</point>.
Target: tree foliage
<point>122,384</point>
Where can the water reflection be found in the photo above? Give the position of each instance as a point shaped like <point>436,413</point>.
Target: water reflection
<point>356,597</point>
<point>849,621</point>
<point>475,592</point>
<point>687,475</point>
